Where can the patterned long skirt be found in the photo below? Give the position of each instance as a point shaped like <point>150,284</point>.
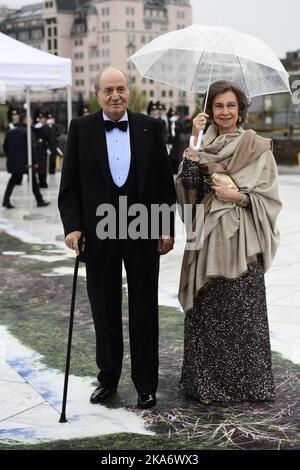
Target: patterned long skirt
<point>227,356</point>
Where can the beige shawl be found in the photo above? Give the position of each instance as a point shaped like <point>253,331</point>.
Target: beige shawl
<point>232,235</point>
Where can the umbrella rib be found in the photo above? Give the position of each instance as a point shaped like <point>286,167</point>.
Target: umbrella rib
<point>151,64</point>
<point>220,39</point>
<point>209,80</point>
<point>246,82</point>
<point>196,72</point>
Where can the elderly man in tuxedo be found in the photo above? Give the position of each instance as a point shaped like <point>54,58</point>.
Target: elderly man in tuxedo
<point>110,154</point>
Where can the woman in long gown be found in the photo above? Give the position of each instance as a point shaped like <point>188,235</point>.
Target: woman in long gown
<point>227,356</point>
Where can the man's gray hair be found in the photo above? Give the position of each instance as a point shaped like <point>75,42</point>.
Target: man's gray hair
<point>99,75</point>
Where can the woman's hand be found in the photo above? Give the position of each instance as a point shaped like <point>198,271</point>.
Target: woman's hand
<point>191,154</point>
<point>199,123</point>
<point>225,194</point>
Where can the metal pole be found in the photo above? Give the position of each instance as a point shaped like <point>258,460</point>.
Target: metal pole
<point>69,104</point>
<point>200,135</point>
<point>209,80</point>
<point>197,145</point>
<point>31,215</point>
<point>29,145</point>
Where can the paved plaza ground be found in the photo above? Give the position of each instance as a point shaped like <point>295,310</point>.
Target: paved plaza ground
<point>36,276</point>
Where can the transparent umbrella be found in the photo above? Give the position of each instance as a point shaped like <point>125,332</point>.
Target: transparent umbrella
<point>192,58</point>
<point>187,57</point>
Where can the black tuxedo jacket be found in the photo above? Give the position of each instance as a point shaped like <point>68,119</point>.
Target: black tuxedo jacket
<point>86,180</point>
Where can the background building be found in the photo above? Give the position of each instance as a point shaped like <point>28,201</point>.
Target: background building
<point>280,111</point>
<point>99,33</point>
<point>5,11</point>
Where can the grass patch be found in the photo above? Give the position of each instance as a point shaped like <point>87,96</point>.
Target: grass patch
<point>121,441</point>
<point>35,309</point>
<point>40,328</point>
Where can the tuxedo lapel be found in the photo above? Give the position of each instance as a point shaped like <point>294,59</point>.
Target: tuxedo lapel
<point>96,134</point>
<point>139,138</point>
<point>139,141</point>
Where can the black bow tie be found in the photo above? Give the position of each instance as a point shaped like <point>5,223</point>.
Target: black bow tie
<point>109,125</point>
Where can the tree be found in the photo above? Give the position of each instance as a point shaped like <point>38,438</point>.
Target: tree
<point>197,105</point>
<point>138,100</point>
<point>93,104</point>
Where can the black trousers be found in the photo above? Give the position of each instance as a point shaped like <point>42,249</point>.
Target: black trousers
<point>42,179</point>
<point>104,286</point>
<point>15,179</point>
<point>52,164</point>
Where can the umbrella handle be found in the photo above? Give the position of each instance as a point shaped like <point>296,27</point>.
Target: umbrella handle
<point>198,143</point>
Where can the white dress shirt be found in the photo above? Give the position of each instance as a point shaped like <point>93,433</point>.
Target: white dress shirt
<point>119,152</point>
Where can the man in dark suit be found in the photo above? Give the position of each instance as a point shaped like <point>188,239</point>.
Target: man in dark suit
<point>112,154</point>
<point>16,150</point>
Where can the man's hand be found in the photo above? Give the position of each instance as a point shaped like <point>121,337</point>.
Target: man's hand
<point>165,244</point>
<point>71,241</point>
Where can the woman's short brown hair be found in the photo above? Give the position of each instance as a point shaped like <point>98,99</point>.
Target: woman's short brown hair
<point>222,86</point>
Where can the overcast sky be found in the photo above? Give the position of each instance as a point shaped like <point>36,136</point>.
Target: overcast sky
<point>276,23</point>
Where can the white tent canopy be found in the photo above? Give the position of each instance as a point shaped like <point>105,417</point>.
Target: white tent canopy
<point>29,68</point>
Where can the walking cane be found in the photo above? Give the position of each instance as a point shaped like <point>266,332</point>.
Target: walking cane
<point>63,418</point>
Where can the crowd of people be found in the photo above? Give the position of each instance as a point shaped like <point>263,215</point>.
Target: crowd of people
<point>172,126</point>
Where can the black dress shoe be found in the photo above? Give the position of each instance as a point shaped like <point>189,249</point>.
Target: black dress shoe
<point>8,205</point>
<point>102,393</point>
<point>43,204</point>
<point>146,400</point>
